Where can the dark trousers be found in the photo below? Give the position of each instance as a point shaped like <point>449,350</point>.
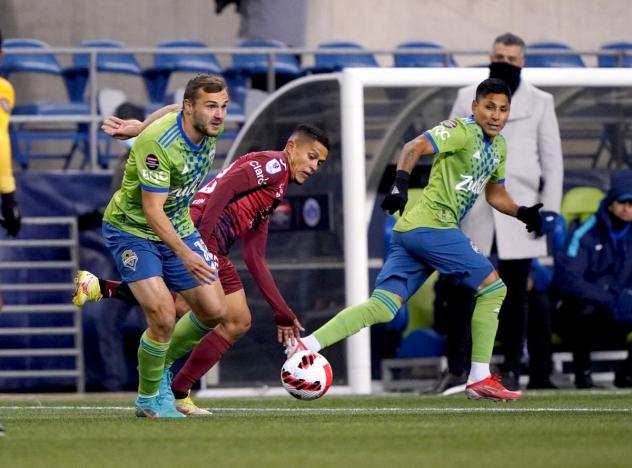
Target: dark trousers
<point>455,303</point>
<point>588,327</point>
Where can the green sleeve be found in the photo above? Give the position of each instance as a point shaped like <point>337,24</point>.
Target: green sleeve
<point>498,176</point>
<point>447,137</point>
<point>154,167</point>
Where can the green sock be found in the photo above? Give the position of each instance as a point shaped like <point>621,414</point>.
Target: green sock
<point>187,333</point>
<point>151,364</point>
<point>485,320</point>
<point>380,308</point>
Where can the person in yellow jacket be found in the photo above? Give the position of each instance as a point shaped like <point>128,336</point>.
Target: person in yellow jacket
<point>10,211</point>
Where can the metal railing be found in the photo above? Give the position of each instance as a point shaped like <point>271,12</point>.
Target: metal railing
<point>25,289</point>
<point>94,119</point>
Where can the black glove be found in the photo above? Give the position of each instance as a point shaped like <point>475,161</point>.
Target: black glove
<point>397,196</point>
<point>11,214</point>
<point>531,217</point>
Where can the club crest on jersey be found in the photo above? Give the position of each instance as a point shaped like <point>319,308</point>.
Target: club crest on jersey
<point>152,162</point>
<point>449,124</point>
<point>273,166</point>
<point>129,259</point>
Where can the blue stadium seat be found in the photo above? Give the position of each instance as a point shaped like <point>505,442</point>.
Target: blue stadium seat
<point>166,63</point>
<point>327,63</point>
<point>423,60</point>
<point>24,134</point>
<point>624,59</point>
<point>554,59</point>
<point>124,63</point>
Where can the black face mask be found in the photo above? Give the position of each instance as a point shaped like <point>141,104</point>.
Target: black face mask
<point>510,74</point>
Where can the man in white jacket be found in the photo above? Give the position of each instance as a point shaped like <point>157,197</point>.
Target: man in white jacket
<point>534,174</point>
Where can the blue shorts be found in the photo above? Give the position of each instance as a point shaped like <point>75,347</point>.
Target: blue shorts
<point>137,258</point>
<point>416,254</point>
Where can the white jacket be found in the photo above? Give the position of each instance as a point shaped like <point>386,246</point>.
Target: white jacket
<point>534,156</point>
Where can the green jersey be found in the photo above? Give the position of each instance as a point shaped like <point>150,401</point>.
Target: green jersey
<point>465,161</point>
<point>162,159</point>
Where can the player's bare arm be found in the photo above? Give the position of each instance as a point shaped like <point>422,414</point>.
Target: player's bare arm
<point>124,129</point>
<point>412,151</point>
<point>153,203</point>
<point>498,197</point>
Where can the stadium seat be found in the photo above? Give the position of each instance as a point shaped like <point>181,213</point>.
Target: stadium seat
<point>25,134</point>
<point>624,59</point>
<point>254,66</point>
<point>166,63</point>
<point>327,63</point>
<point>554,59</point>
<point>580,203</point>
<point>423,60</point>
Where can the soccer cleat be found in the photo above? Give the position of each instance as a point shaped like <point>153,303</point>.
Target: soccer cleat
<point>86,288</point>
<point>164,391</point>
<point>292,349</point>
<point>147,407</point>
<point>490,388</point>
<point>187,407</point>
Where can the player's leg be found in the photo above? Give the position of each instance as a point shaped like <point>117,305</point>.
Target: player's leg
<point>401,275</point>
<point>235,323</point>
<point>139,262</point>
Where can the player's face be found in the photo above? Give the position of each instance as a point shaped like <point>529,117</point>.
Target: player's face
<point>208,112</point>
<point>491,113</point>
<point>305,157</point>
<point>622,210</point>
<point>511,54</point>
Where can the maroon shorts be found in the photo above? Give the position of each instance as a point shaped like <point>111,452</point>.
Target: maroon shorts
<point>228,276</point>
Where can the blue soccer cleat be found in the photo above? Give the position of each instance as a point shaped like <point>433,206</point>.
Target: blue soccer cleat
<point>165,392</point>
<point>147,407</point>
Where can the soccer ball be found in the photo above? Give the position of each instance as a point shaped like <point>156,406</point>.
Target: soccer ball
<point>306,375</point>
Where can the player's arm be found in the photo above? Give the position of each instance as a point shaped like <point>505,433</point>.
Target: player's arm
<point>397,196</point>
<point>153,207</point>
<point>498,197</point>
<point>124,129</point>
<point>288,326</point>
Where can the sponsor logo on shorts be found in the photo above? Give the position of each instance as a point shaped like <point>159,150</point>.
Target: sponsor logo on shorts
<point>474,248</point>
<point>130,259</point>
<point>273,166</point>
<point>152,162</point>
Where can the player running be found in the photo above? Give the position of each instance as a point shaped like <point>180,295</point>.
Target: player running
<point>235,205</point>
<point>469,157</point>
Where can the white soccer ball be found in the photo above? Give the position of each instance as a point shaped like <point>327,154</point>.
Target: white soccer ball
<point>306,375</point>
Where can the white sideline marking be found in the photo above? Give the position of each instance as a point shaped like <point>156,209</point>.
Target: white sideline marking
<point>344,410</point>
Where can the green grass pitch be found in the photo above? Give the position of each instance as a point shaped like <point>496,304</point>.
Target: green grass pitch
<point>546,429</point>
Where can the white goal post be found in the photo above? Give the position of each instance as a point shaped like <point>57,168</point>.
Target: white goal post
<point>353,83</point>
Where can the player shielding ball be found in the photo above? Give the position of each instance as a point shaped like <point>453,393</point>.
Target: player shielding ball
<point>235,205</point>
<point>469,157</point>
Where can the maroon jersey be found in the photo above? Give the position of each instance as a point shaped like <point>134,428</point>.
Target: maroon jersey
<point>237,204</point>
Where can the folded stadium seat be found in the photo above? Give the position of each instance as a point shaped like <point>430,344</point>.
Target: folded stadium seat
<point>423,60</point>
<point>327,63</point>
<point>23,135</point>
<point>555,59</point>
<point>253,67</point>
<point>623,59</point>
<point>166,63</point>
<point>580,203</point>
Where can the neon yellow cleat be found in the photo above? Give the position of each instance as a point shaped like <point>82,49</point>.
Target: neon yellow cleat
<point>187,407</point>
<point>86,288</point>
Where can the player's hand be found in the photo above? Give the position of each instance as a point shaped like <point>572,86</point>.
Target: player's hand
<point>199,268</point>
<point>11,213</point>
<point>397,196</point>
<point>287,335</point>
<point>121,129</point>
<point>532,218</point>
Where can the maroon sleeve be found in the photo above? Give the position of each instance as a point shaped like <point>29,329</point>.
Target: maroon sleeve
<point>254,257</point>
<point>221,191</point>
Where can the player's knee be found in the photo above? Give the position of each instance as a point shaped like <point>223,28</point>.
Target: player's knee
<point>236,327</point>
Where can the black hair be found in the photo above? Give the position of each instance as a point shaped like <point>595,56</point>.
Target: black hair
<point>492,86</point>
<point>312,131</point>
<point>510,39</point>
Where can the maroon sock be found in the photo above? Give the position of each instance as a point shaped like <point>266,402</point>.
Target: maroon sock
<point>108,287</point>
<point>204,356</point>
